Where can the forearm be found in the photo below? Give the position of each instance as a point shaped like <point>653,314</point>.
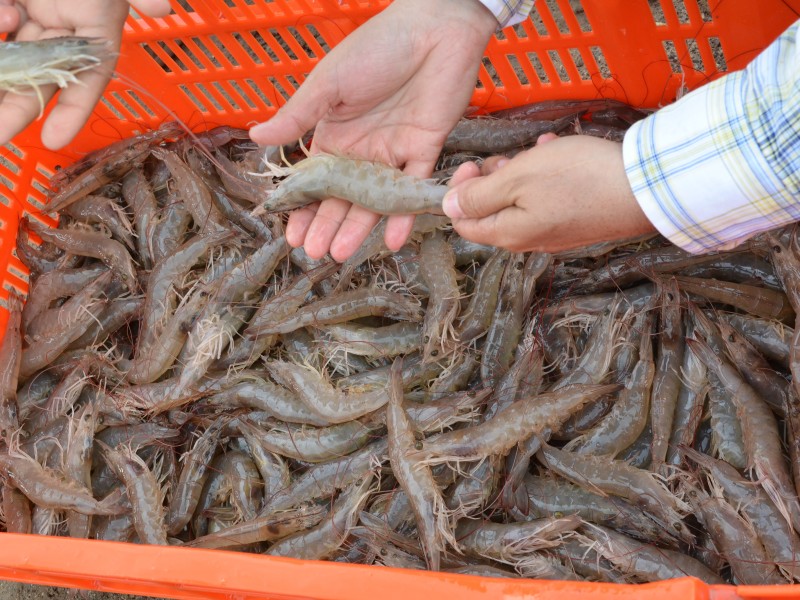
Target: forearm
<point>509,12</point>
<point>723,163</point>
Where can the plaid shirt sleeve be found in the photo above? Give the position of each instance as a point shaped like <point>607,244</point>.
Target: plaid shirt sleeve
<point>723,162</point>
<point>509,12</point>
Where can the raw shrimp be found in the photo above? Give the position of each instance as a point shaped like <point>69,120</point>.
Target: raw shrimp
<point>628,417</point>
<point>375,342</point>
<point>666,382</point>
<point>31,65</point>
<point>100,210</point>
<point>475,320</point>
<point>759,301</point>
<point>196,196</point>
<point>10,360</point>
<point>556,496</point>
<point>689,406</point>
<point>344,307</point>
<point>315,445</point>
<point>378,187</point>
<point>415,478</point>
<point>644,561</point>
<point>268,528</point>
<point>94,244</point>
<point>760,433</point>
<point>524,418</point>
<point>326,478</point>
<point>640,487</point>
<point>505,328</point>
<point>771,338</point>
<point>780,541</point>
<point>144,493</point>
<point>16,510</point>
<point>735,539</point>
<point>495,136</point>
<point>509,543</point>
<point>330,404</point>
<point>320,542</point>
<point>195,467</point>
<point>261,394</point>
<point>437,269</point>
<point>78,462</point>
<point>726,430</point>
<point>47,489</point>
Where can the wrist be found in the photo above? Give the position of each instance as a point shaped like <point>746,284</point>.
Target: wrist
<point>462,13</point>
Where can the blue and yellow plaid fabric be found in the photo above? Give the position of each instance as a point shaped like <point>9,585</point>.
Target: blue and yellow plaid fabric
<point>723,163</point>
<point>509,13</point>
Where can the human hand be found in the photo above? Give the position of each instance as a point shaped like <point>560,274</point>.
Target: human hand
<point>40,19</point>
<point>564,193</point>
<point>390,92</point>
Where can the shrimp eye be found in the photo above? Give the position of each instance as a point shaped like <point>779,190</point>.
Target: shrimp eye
<point>472,393</point>
<point>384,552</point>
<point>730,338</point>
<point>677,526</point>
<point>58,167</point>
<point>426,339</point>
<point>518,265</point>
<point>101,419</point>
<point>418,445</point>
<point>434,352</point>
<point>670,297</point>
<point>776,249</point>
<point>558,514</point>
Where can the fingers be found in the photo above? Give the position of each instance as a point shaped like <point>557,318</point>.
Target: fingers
<point>324,227</point>
<point>151,8</point>
<point>488,230</point>
<point>9,16</point>
<point>398,228</point>
<point>465,171</point>
<point>299,222</point>
<point>300,114</point>
<point>75,105</point>
<point>353,230</point>
<point>476,198</point>
<point>17,111</point>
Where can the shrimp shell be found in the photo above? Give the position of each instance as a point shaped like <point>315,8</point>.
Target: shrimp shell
<point>320,542</point>
<point>414,478</point>
<point>31,65</point>
<point>10,361</point>
<point>522,419</point>
<point>144,493</point>
<point>646,562</point>
<point>375,186</point>
<point>642,488</point>
<point>762,441</point>
<point>330,404</point>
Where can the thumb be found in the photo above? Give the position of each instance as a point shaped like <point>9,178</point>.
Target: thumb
<point>312,101</point>
<point>493,230</point>
<point>476,198</point>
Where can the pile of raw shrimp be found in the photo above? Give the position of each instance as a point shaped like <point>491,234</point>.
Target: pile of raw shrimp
<point>180,375</point>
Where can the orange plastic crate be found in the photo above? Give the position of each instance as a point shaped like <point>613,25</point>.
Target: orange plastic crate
<point>235,62</point>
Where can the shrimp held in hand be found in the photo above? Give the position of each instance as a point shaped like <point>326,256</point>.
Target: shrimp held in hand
<point>378,187</point>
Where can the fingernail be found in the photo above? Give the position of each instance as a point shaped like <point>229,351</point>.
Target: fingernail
<point>450,206</point>
<point>502,162</point>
